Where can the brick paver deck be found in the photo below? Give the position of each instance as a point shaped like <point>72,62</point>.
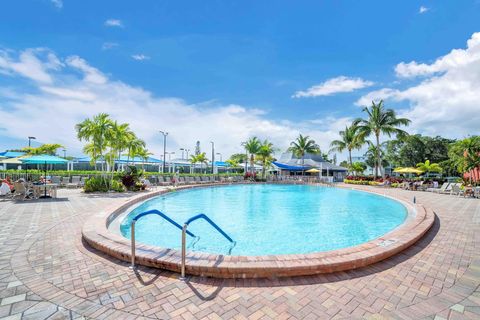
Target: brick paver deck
<point>46,271</point>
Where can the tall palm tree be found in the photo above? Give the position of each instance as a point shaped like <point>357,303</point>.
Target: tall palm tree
<point>252,146</point>
<point>303,145</point>
<point>97,131</point>
<point>349,140</point>
<point>380,121</point>
<point>265,155</point>
<point>121,136</point>
<point>199,158</point>
<point>429,167</point>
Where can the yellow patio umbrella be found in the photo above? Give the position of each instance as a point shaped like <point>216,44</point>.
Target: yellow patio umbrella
<point>408,170</point>
<point>313,170</point>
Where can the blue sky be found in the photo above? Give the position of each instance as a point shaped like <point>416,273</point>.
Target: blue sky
<point>231,69</point>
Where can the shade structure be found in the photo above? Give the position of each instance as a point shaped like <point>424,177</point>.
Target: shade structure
<point>313,170</point>
<point>11,161</point>
<point>44,159</point>
<point>408,170</point>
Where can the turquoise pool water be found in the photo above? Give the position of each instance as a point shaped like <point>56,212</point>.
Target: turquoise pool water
<point>268,219</point>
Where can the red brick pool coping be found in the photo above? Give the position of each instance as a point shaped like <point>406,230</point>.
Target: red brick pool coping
<point>95,232</point>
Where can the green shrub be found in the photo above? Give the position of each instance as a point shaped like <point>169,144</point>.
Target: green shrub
<point>99,184</point>
<point>362,182</point>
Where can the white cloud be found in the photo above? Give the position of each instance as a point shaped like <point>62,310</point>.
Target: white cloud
<point>457,58</point>
<point>140,57</point>
<point>109,45</point>
<point>77,90</point>
<point>57,3</point>
<point>113,23</point>
<point>29,65</point>
<point>334,85</point>
<point>447,101</point>
<point>91,74</point>
<point>423,9</point>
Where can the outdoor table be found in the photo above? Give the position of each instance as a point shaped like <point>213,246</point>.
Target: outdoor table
<point>39,189</point>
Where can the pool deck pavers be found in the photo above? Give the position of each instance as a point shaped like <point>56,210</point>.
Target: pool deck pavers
<point>48,272</point>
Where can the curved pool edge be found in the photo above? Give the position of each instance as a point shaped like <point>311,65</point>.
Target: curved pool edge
<point>95,232</point>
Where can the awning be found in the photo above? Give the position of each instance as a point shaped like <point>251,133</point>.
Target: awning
<point>291,168</point>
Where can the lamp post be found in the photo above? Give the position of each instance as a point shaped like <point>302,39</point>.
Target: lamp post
<point>165,134</point>
<point>221,159</point>
<point>30,141</point>
<point>213,157</point>
<point>182,149</point>
<point>187,151</point>
<point>64,153</point>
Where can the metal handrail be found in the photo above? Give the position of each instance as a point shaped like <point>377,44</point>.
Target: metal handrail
<point>143,214</point>
<point>185,231</point>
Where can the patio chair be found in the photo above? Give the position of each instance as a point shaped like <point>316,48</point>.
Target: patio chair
<point>476,192</point>
<point>448,189</point>
<point>81,183</point>
<point>439,190</point>
<point>21,191</point>
<point>457,190</point>
<point>75,182</point>
<point>56,179</point>
<point>65,181</point>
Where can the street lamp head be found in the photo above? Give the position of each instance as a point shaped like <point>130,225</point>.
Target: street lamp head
<point>32,138</point>
<point>164,133</point>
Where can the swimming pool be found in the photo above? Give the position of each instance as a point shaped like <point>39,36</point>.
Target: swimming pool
<point>267,219</point>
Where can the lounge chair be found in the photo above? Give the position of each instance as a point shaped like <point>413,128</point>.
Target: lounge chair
<point>441,189</point>
<point>65,181</point>
<point>448,189</point>
<point>457,190</point>
<point>75,182</point>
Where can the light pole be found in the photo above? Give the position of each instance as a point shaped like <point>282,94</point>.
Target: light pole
<point>165,134</point>
<point>64,153</point>
<point>187,151</point>
<point>30,141</point>
<point>182,149</point>
<point>246,158</point>
<point>221,159</point>
<point>213,157</point>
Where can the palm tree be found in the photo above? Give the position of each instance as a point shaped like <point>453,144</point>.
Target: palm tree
<point>429,167</point>
<point>98,131</point>
<point>252,146</point>
<point>121,136</point>
<point>303,145</point>
<point>265,155</point>
<point>358,167</point>
<point>199,158</point>
<point>47,148</point>
<point>349,141</point>
<point>380,121</point>
<point>135,147</point>
<point>372,152</point>
<point>465,154</point>
<point>144,154</point>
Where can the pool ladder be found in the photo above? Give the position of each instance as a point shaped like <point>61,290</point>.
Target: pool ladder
<point>184,234</point>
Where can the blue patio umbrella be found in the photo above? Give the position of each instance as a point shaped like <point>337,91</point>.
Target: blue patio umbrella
<point>44,159</point>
